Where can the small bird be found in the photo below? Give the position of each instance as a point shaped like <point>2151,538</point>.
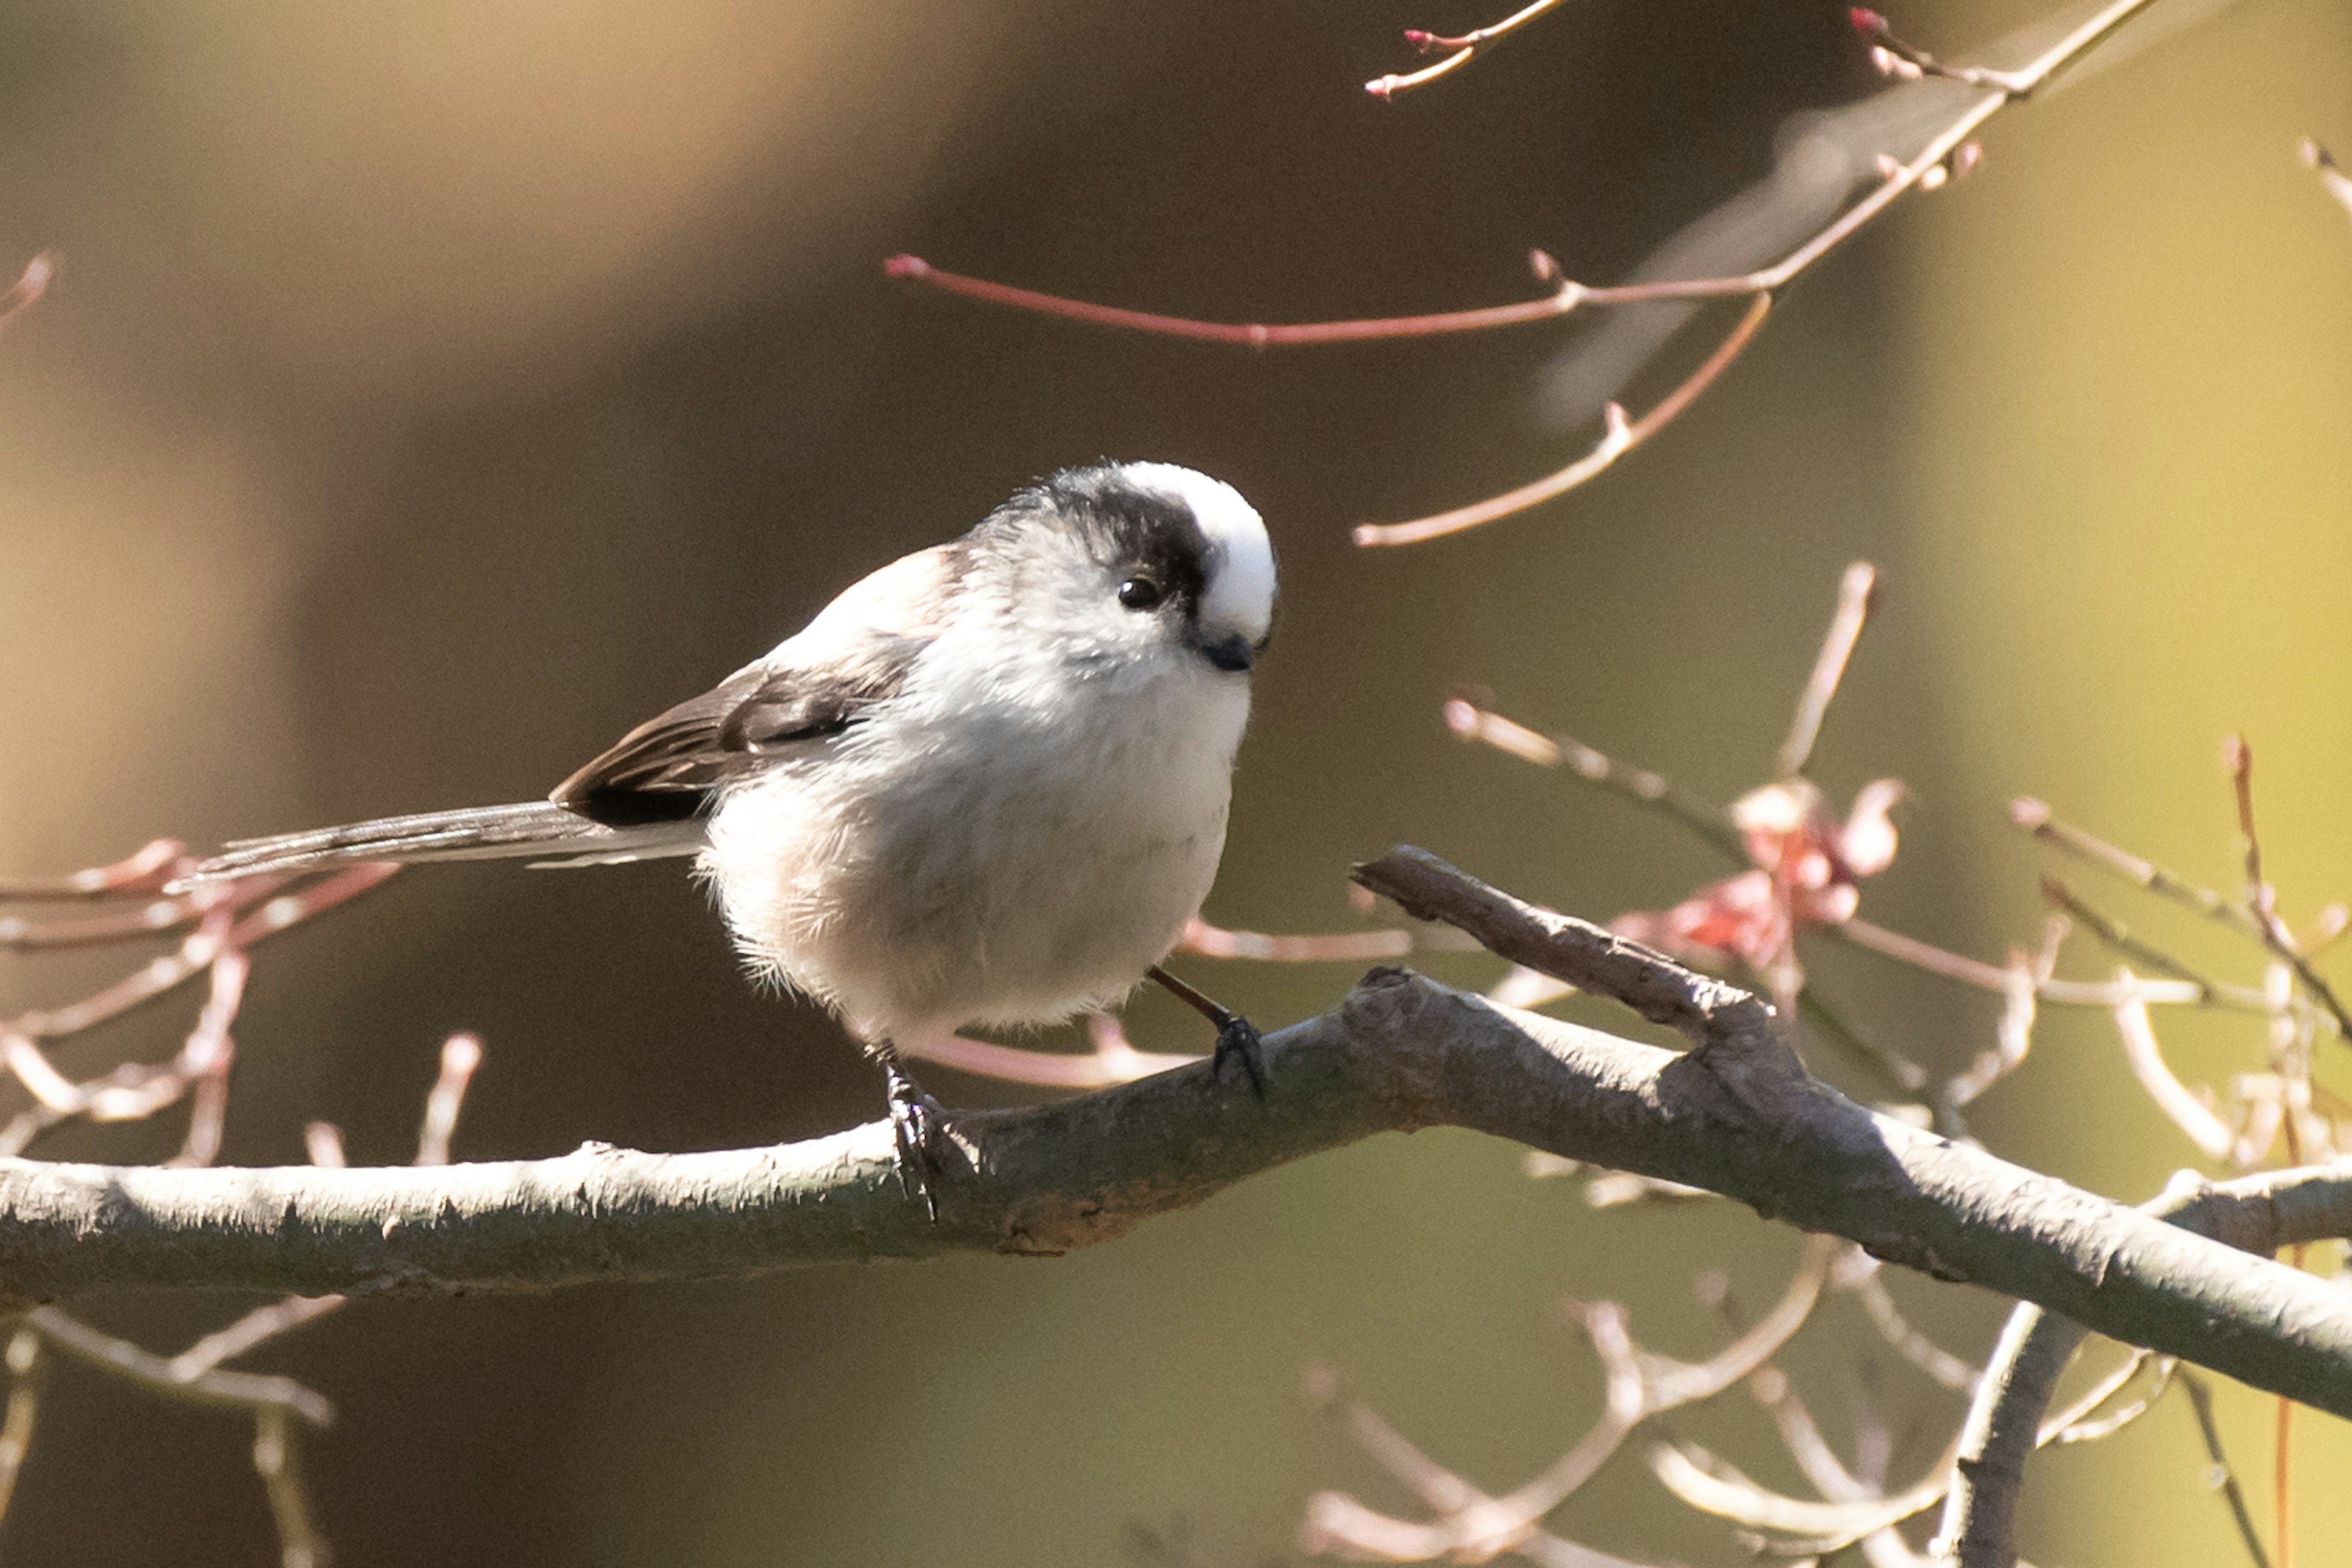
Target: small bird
<point>987,785</point>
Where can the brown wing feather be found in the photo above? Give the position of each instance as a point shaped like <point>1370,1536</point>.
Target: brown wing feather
<point>852,657</point>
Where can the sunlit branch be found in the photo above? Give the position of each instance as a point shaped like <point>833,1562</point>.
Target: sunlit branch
<point>1618,438</point>
<point>1564,297</point>
<point>2147,1064</point>
<point>1463,49</point>
<point>1112,1059</point>
<point>1474,721</point>
<point>1855,592</point>
<point>1983,977</point>
<point>1878,1305</point>
<point>145,872</point>
<point>1927,169</point>
<point>2036,818</point>
<point>1472,1525</point>
<point>2257,1214</point>
<point>275,1459</point>
<point>2112,934</point>
<point>2261,900</point>
<point>27,1370</point>
<point>212,1386</point>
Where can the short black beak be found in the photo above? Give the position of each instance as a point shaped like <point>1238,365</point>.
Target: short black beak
<point>1231,653</point>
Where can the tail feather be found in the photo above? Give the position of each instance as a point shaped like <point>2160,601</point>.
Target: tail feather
<point>479,832</point>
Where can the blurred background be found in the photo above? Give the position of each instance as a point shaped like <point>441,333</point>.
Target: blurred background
<point>432,392</point>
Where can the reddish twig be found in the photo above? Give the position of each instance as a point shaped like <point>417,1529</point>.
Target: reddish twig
<point>143,872</point>
<point>1112,1060</point>
<point>1618,438</point>
<point>1464,47</point>
<point>1335,947</point>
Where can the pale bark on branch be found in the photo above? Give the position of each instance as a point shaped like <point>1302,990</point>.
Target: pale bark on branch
<point>1737,1115</point>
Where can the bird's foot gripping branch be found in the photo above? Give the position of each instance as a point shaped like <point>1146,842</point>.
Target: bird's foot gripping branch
<point>1737,1115</point>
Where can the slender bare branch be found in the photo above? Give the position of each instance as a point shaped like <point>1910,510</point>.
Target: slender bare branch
<point>2262,901</point>
<point>1474,1526</point>
<point>275,1460</point>
<point>27,1374</point>
<point>1463,49</point>
<point>1943,151</point>
<point>2036,818</point>
<point>1619,436</point>
<point>209,1386</point>
<point>2225,1479</point>
<point>1474,721</point>
<point>1856,591</point>
<point>1113,1060</point>
<point>2171,1096</point>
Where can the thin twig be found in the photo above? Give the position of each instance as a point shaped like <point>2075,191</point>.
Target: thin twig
<point>1474,721</point>
<point>26,1372</point>
<point>1465,46</point>
<point>144,871</point>
<point>1473,1526</point>
<point>2036,818</point>
<point>212,1386</point>
<point>2112,934</point>
<point>2147,1058</point>
<point>275,1459</point>
<point>1856,591</point>
<point>1618,438</point>
<point>1927,169</point>
<point>1333,947</point>
<point>1112,1060</point>
<point>2223,1479</point>
<point>2262,901</point>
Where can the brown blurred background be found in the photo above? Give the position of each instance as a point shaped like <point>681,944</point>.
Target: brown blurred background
<point>433,392</point>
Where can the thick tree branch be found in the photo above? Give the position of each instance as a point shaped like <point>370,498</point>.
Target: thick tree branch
<point>2259,1213</point>
<point>1736,1116</point>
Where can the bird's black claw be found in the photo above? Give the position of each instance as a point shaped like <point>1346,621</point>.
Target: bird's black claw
<point>917,1127</point>
<point>1238,1037</point>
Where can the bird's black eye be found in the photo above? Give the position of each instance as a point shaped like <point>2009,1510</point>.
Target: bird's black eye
<point>1141,593</point>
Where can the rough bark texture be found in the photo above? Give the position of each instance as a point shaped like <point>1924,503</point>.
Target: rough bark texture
<point>1736,1115</point>
<point>2257,1213</point>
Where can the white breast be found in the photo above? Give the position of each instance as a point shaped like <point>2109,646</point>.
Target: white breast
<point>996,846</point>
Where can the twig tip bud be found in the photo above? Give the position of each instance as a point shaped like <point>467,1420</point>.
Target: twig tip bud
<point>903,265</point>
<point>1421,40</point>
<point>1865,21</point>
<point>2027,812</point>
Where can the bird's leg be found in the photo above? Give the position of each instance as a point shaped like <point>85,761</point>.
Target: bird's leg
<point>917,1127</point>
<point>1237,1036</point>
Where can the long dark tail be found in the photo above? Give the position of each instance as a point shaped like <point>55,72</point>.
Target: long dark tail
<point>482,833</point>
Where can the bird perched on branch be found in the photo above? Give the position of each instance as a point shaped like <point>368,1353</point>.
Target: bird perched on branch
<point>986,785</point>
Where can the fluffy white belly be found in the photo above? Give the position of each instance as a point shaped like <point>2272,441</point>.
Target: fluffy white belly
<point>1007,866</point>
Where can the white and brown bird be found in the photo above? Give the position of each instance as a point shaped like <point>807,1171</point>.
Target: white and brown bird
<point>987,785</point>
